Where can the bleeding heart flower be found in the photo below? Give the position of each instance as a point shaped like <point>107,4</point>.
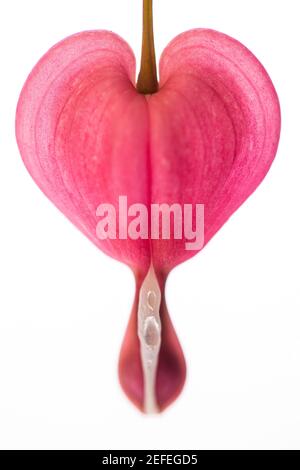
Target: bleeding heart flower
<point>206,135</point>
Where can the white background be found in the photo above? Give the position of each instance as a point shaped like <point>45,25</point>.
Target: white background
<point>64,305</point>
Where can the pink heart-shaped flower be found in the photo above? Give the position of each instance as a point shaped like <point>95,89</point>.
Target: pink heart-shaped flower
<point>208,136</point>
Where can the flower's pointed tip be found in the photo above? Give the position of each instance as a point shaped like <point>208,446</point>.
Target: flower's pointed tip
<point>170,373</point>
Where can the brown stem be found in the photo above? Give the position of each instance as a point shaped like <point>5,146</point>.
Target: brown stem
<point>147,80</point>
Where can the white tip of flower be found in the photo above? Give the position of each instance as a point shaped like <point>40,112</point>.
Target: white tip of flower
<point>149,333</point>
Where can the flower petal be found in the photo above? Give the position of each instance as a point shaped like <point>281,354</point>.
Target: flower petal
<point>215,126</point>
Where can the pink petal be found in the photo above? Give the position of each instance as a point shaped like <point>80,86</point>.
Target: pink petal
<point>82,130</point>
<point>215,126</point>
